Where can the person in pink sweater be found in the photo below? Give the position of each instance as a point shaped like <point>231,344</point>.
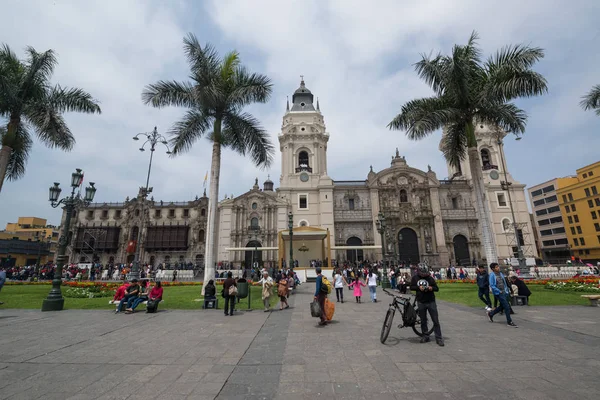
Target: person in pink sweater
<point>356,285</point>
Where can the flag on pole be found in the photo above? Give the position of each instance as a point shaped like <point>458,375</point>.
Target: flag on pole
<point>205,178</point>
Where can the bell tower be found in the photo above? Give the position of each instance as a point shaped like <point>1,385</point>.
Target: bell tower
<point>303,141</point>
<point>303,145</point>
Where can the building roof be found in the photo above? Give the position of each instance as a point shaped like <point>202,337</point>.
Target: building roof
<point>302,100</point>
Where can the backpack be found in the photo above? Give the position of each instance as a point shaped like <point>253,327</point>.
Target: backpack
<point>325,285</point>
<point>409,316</point>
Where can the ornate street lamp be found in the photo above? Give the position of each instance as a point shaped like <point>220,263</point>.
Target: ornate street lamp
<point>153,138</point>
<point>291,228</point>
<point>55,301</point>
<point>505,184</point>
<point>385,283</point>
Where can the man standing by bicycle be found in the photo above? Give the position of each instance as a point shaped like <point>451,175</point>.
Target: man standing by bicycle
<point>424,285</point>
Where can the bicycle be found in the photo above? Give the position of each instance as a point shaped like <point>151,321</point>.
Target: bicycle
<point>406,305</point>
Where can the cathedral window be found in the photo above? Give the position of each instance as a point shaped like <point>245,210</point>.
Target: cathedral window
<point>403,196</point>
<point>455,203</point>
<point>303,202</point>
<point>303,159</point>
<point>203,212</point>
<point>254,223</point>
<point>485,157</point>
<point>351,204</point>
<point>201,235</point>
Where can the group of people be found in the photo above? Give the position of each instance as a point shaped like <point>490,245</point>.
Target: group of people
<point>502,289</point>
<point>132,294</point>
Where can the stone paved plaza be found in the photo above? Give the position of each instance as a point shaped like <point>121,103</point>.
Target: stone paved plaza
<point>554,354</point>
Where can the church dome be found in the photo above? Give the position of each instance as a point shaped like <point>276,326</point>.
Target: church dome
<point>268,185</point>
<point>302,100</point>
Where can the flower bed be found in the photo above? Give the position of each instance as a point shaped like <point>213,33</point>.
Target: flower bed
<point>587,286</point>
<point>88,293</point>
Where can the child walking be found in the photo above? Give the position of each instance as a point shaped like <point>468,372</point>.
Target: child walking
<point>357,288</point>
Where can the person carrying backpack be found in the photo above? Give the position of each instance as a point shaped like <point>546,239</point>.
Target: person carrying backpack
<point>321,294</point>
<point>425,287</point>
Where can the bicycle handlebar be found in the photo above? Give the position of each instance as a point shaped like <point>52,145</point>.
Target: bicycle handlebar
<point>395,295</point>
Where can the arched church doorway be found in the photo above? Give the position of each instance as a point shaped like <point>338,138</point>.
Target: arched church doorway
<point>408,246</point>
<point>461,250</point>
<point>252,257</point>
<point>354,255</point>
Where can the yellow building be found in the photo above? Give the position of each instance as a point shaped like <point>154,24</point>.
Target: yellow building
<point>579,200</point>
<point>27,241</point>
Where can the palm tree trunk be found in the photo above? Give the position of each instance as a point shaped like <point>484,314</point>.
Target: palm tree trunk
<point>483,211</point>
<point>5,153</point>
<point>213,202</point>
<point>6,150</point>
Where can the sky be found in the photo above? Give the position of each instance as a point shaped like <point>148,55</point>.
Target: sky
<point>357,57</point>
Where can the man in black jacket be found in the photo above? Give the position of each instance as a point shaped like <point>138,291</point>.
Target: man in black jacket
<point>483,282</point>
<point>424,285</point>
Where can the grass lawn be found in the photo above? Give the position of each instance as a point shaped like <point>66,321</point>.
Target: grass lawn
<point>176,297</point>
<point>463,293</point>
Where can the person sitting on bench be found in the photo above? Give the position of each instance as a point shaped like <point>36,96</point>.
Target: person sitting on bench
<point>210,293</point>
<point>523,290</point>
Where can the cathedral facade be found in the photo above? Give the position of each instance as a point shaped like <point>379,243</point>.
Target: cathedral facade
<point>427,219</point>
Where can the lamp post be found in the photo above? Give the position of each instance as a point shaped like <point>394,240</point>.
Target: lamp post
<point>153,138</point>
<point>505,184</point>
<point>291,228</point>
<point>55,301</point>
<point>385,283</point>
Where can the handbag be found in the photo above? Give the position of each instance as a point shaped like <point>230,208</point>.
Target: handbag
<point>315,309</point>
<point>233,290</point>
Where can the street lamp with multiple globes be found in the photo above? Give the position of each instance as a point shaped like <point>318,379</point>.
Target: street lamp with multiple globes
<point>385,283</point>
<point>153,138</point>
<point>55,301</point>
<point>505,185</point>
<point>291,228</point>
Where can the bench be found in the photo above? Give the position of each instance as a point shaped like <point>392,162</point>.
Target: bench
<point>593,298</point>
<point>519,301</point>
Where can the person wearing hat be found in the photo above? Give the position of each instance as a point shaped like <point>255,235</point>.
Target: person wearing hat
<point>267,284</point>
<point>425,287</point>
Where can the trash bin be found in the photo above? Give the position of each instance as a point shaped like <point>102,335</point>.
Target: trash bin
<point>242,287</point>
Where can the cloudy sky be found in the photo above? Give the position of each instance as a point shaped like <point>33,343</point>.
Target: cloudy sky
<point>356,57</point>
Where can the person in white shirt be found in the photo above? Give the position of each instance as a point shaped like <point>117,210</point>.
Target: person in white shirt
<point>338,282</point>
<point>371,281</point>
<point>267,284</point>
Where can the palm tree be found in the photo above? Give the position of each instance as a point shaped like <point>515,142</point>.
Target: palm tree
<point>592,100</point>
<point>28,101</point>
<point>215,98</point>
<point>468,91</point>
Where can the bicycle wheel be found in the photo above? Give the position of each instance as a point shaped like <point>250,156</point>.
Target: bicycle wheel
<point>387,325</point>
<point>417,328</point>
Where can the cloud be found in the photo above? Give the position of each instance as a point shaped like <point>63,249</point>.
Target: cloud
<point>356,57</point>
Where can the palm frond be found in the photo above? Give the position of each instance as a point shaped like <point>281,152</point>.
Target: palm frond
<point>591,101</point>
<point>507,116</point>
<point>506,83</point>
<point>229,65</point>
<point>421,117</point>
<point>189,129</point>
<point>21,145</point>
<point>243,134</point>
<point>249,88</point>
<point>50,126</point>
<point>454,143</point>
<point>199,58</point>
<point>41,65</point>
<point>169,93</point>
<point>518,57</point>
<point>434,72</point>
<point>73,99</point>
